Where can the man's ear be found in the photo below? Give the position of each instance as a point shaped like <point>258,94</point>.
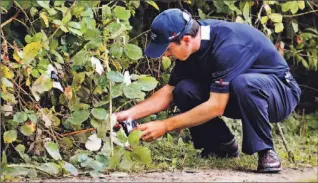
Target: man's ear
<point>186,39</point>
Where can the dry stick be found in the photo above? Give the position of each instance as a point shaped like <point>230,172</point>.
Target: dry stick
<point>77,132</point>
<point>110,100</point>
<point>10,19</point>
<point>290,153</point>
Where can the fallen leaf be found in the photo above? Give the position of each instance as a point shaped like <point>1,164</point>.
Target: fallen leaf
<point>93,143</point>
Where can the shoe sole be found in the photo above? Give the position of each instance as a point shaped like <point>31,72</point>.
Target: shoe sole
<point>269,170</point>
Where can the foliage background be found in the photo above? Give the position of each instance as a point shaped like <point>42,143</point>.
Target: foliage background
<point>64,72</point>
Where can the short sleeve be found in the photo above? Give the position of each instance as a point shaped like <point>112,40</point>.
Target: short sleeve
<point>231,61</point>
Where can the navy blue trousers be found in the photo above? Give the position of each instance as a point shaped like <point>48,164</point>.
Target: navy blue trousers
<point>256,99</point>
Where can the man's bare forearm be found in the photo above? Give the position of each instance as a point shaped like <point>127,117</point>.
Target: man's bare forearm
<point>157,102</point>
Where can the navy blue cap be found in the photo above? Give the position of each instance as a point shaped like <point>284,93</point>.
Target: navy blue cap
<point>168,26</point>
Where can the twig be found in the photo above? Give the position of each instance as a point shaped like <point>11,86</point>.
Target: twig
<point>10,19</point>
<point>300,14</point>
<point>110,99</point>
<point>304,86</point>
<point>139,35</point>
<point>290,153</point>
<point>77,132</point>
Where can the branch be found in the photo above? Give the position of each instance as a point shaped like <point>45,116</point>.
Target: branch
<point>10,19</point>
<point>300,14</point>
<point>77,132</point>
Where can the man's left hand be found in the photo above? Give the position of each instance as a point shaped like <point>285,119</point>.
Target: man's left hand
<point>152,130</point>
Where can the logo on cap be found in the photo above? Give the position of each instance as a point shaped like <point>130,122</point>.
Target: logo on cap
<point>153,36</point>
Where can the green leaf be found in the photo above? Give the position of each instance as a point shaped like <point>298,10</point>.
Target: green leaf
<point>117,90</point>
<point>44,4</point>
<point>102,159</point>
<point>115,159</point>
<point>106,12</point>
<point>134,138</point>
<point>33,117</point>
<point>33,11</point>
<point>276,17</point>
<point>27,129</point>
<point>301,4</point>
<point>121,13</point>
<point>10,136</point>
<point>75,31</point>
<point>58,57</point>
<point>115,76</point>
<point>40,85</point>
<point>147,83</point>
<point>142,155</point>
<point>90,23</point>
<point>78,117</point>
<point>96,165</point>
<point>294,7</point>
<point>20,117</point>
<point>51,168</point>
<point>279,27</point>
<point>28,38</point>
<point>6,4</point>
<point>246,10</point>
<point>114,29</point>
<point>80,58</point>
<point>295,25</point>
<point>99,113</point>
<point>45,18</point>
<point>264,19</point>
<point>88,13</point>
<point>53,150</point>
<point>286,6</point>
<point>70,168</point>
<point>116,50</point>
<point>134,52</point>
<point>77,81</point>
<point>126,162</point>
<point>67,17</point>
<point>30,51</point>
<point>153,4</point>
<point>132,91</point>
<point>94,35</point>
<point>166,62</point>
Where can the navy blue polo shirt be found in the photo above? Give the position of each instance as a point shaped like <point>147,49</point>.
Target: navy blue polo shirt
<point>233,49</point>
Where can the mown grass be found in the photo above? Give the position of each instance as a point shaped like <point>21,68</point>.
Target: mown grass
<point>176,152</point>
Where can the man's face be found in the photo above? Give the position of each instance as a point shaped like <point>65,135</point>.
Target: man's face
<point>179,51</point>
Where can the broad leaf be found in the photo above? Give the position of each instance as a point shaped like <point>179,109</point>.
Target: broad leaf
<point>96,165</point>
<point>114,29</point>
<point>115,76</point>
<point>42,84</point>
<point>166,62</point>
<point>99,113</point>
<point>51,168</point>
<point>147,83</point>
<point>134,52</point>
<point>134,138</point>
<point>30,51</point>
<point>20,117</point>
<point>10,136</point>
<point>121,13</point>
<point>28,128</point>
<point>77,81</point>
<point>117,90</point>
<point>295,25</point>
<point>70,168</point>
<point>44,17</point>
<point>141,154</point>
<point>80,58</point>
<point>79,116</point>
<point>126,162</point>
<point>116,50</point>
<point>279,27</point>
<point>33,117</point>
<point>53,150</point>
<point>276,17</point>
<point>6,72</point>
<point>132,91</point>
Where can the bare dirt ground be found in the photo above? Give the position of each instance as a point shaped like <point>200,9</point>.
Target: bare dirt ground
<point>286,175</point>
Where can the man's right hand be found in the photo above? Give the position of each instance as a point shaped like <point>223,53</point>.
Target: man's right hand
<point>122,115</point>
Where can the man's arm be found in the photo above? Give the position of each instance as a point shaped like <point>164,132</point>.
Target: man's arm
<point>157,102</point>
<point>210,109</point>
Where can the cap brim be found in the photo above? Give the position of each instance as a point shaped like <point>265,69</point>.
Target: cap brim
<point>156,50</point>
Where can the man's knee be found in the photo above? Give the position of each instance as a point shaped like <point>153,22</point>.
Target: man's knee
<point>187,94</point>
